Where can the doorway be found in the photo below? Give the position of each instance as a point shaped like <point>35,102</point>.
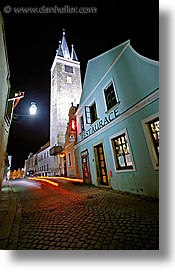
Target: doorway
<point>102,176</point>
<point>85,167</point>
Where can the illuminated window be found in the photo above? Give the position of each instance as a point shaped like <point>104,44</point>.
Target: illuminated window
<point>122,155</point>
<point>68,69</point>
<point>154,130</point>
<point>91,113</point>
<point>110,96</point>
<point>69,79</point>
<point>151,130</point>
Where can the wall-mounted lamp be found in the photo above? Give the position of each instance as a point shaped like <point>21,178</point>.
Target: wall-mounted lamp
<point>33,108</point>
<point>32,111</point>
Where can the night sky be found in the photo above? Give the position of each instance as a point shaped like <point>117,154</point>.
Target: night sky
<point>32,41</point>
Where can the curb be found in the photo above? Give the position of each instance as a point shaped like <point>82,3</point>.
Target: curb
<point>10,208</point>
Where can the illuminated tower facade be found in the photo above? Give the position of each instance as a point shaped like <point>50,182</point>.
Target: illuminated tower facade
<point>66,89</point>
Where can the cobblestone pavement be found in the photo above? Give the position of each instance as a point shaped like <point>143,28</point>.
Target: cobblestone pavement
<point>80,217</point>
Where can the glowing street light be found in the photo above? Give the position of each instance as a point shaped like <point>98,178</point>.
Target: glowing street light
<point>32,111</point>
<point>33,108</point>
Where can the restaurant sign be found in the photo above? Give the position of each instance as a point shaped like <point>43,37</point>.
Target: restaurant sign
<point>100,124</point>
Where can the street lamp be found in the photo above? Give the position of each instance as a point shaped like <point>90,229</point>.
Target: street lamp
<point>33,108</point>
<point>32,111</point>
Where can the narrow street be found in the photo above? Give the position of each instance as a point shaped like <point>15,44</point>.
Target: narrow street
<point>75,216</point>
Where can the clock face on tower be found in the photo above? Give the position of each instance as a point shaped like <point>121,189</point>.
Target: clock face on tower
<point>68,69</point>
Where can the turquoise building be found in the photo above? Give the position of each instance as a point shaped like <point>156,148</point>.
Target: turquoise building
<point>118,122</point>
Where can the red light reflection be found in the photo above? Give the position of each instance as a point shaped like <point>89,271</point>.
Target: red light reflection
<point>51,181</point>
<point>44,180</point>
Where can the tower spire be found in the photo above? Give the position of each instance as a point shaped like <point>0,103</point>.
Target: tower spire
<point>59,51</point>
<point>73,54</point>
<point>64,47</point>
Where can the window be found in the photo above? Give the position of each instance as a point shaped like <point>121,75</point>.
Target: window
<point>68,69</point>
<point>154,129</point>
<point>91,113</point>
<point>110,96</point>
<point>9,107</point>
<point>122,155</point>
<point>81,123</point>
<point>69,159</point>
<point>151,130</point>
<point>69,79</point>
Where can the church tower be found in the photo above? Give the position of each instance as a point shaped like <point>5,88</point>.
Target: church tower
<point>66,89</point>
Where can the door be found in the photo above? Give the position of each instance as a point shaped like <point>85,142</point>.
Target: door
<point>102,176</point>
<point>86,167</point>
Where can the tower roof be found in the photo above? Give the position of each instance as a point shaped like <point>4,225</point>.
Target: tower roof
<point>63,49</point>
<point>64,46</point>
<point>73,54</point>
<point>59,51</point>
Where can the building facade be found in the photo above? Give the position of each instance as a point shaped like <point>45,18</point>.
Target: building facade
<point>16,174</point>
<point>70,141</point>
<point>65,89</point>
<point>44,161</point>
<point>8,101</point>
<point>118,122</point>
<point>6,107</point>
<point>39,164</point>
<point>31,165</point>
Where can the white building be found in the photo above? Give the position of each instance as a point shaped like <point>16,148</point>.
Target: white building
<point>43,160</point>
<point>66,88</point>
<point>30,165</point>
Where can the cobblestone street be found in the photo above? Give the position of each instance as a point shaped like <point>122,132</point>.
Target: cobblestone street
<point>71,216</point>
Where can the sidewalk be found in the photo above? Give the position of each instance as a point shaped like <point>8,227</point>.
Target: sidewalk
<point>8,210</point>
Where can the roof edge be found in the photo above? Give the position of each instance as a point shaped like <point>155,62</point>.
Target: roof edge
<point>122,44</point>
<point>144,58</point>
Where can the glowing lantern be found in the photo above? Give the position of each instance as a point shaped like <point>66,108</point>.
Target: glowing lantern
<point>33,108</point>
<point>73,125</point>
<point>62,155</point>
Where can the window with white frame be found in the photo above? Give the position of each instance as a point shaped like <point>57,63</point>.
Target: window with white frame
<point>91,113</point>
<point>110,96</point>
<point>151,129</point>
<point>121,152</point>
